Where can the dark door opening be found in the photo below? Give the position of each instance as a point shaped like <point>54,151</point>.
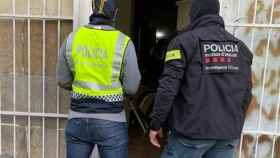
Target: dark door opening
<point>155,23</point>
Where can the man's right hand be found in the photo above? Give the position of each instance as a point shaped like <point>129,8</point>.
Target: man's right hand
<point>154,138</point>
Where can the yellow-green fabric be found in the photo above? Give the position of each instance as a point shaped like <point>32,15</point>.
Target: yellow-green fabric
<point>97,57</point>
<point>173,55</point>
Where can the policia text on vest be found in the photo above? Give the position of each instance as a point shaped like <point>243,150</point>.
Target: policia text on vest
<point>100,54</point>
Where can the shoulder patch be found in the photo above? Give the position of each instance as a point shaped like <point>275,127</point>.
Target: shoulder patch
<point>173,55</point>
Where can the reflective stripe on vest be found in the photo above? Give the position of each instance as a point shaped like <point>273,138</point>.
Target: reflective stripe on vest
<point>92,58</point>
<point>118,57</point>
<point>88,85</point>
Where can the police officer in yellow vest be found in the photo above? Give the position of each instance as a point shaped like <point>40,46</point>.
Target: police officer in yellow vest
<point>98,64</point>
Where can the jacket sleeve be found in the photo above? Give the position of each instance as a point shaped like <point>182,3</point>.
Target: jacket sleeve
<point>130,76</point>
<point>63,72</point>
<point>248,94</point>
<point>169,84</point>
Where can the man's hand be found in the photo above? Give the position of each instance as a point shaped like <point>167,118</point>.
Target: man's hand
<point>154,137</point>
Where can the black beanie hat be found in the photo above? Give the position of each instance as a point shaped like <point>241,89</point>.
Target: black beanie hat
<point>105,8</point>
<point>200,8</point>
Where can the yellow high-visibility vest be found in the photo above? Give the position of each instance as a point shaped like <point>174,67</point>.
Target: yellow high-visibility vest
<point>96,59</point>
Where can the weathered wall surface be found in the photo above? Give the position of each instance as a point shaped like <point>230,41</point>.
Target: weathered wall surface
<point>36,138</point>
<point>36,88</point>
<point>36,64</point>
<point>263,114</point>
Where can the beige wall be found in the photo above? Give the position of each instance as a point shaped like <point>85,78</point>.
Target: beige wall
<point>183,10</point>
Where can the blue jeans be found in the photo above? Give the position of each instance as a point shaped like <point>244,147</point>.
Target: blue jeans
<point>83,134</point>
<point>179,147</point>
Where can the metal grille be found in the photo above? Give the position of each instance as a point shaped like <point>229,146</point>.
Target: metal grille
<point>257,23</point>
<point>33,127</point>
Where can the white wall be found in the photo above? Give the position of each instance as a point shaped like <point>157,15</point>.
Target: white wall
<point>83,10</point>
<point>228,11</point>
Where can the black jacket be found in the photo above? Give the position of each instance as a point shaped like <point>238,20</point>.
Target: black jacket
<point>204,94</point>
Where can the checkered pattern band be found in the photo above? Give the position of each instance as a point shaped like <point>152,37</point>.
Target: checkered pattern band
<point>111,98</point>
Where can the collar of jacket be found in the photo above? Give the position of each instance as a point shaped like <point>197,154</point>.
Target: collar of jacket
<point>207,20</point>
<point>99,19</point>
<point>100,27</point>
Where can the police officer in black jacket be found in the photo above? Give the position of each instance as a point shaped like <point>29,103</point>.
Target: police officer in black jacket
<point>204,90</point>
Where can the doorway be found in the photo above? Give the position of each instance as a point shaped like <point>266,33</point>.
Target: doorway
<point>154,21</point>
<point>155,24</point>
